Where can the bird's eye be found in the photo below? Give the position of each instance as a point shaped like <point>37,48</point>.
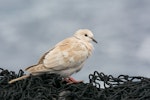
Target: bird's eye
<point>86,35</point>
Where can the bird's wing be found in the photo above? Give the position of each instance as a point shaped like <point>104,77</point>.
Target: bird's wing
<point>66,54</point>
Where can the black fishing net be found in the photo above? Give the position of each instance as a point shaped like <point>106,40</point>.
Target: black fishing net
<point>52,87</point>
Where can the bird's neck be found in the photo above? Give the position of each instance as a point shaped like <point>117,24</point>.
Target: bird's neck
<point>76,37</point>
<point>88,45</point>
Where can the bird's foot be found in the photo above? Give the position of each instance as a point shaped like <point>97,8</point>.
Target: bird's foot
<point>71,80</point>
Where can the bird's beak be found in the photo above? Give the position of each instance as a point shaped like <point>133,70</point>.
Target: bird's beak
<point>94,40</point>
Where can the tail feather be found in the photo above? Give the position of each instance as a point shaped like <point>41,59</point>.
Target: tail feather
<point>34,70</point>
<point>17,79</point>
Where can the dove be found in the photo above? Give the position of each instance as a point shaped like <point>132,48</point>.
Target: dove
<point>65,58</point>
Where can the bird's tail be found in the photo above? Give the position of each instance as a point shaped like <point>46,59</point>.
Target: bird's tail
<point>34,70</point>
<point>17,79</point>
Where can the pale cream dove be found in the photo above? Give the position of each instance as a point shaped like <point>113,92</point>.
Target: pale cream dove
<point>66,58</point>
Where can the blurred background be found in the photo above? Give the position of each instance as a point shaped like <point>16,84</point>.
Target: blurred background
<point>29,28</point>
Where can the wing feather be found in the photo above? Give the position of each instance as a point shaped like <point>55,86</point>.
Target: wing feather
<point>66,54</point>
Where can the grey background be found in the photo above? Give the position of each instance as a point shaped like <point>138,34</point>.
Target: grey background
<point>29,28</point>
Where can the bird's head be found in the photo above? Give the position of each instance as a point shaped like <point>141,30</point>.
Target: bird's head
<point>85,34</point>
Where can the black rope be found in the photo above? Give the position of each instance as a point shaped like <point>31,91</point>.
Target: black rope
<point>52,87</point>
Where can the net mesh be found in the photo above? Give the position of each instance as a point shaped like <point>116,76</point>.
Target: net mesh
<point>52,87</point>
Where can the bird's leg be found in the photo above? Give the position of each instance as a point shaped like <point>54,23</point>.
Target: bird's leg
<point>71,80</point>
